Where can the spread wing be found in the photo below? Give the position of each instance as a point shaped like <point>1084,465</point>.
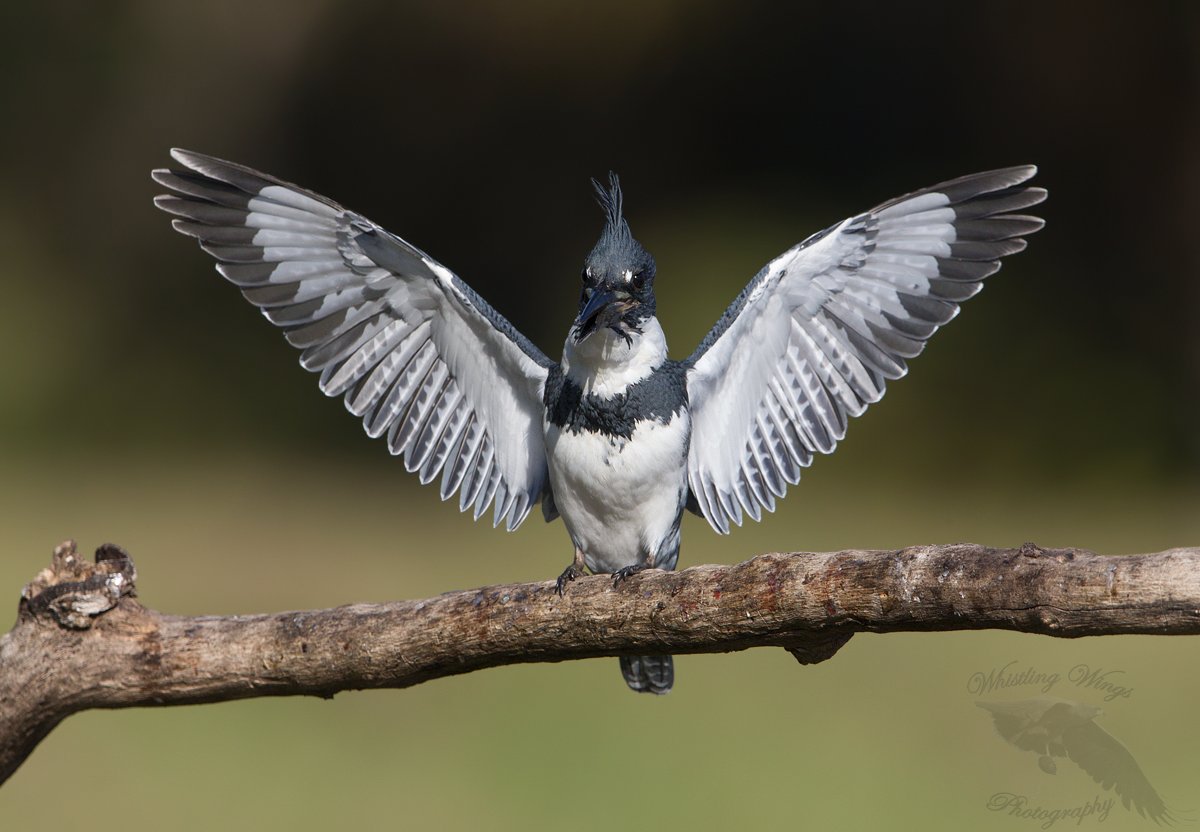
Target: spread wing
<point>414,350</point>
<point>1111,765</point>
<point>814,337</point>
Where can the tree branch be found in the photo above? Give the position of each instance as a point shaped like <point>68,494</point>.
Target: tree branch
<point>82,641</point>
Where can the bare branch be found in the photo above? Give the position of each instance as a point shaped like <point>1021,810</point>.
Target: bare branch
<point>82,641</point>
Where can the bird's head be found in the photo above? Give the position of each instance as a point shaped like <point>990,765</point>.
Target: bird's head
<point>618,276</point>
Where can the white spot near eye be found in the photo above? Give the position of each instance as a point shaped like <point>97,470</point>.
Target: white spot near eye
<point>588,271</point>
<point>628,275</point>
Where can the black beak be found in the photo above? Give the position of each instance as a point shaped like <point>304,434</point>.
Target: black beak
<point>601,310</point>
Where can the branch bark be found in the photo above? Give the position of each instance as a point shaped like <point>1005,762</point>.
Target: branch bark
<point>83,641</point>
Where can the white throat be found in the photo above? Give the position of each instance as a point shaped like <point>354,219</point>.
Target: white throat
<point>605,364</point>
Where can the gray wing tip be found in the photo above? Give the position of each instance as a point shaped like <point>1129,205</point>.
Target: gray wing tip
<point>1036,195</point>
<point>1024,172</point>
<point>209,166</point>
<point>184,227</point>
<point>1035,224</point>
<point>984,182</point>
<point>192,159</point>
<point>1016,174</point>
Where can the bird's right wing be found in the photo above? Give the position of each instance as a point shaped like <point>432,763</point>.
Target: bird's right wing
<point>416,352</point>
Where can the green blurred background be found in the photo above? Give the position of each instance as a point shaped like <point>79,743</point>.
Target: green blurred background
<point>145,403</point>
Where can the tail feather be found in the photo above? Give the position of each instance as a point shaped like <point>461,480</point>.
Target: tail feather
<point>648,674</point>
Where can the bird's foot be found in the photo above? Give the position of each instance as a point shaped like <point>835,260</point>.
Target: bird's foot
<point>569,574</point>
<point>627,571</point>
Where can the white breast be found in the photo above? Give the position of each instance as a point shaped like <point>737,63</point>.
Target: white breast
<point>606,364</point>
<point>620,498</point>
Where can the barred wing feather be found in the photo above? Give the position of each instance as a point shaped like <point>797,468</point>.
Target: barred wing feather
<point>414,351</point>
<point>816,335</point>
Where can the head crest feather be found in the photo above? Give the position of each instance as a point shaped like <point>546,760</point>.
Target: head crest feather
<point>616,250</point>
<point>612,202</point>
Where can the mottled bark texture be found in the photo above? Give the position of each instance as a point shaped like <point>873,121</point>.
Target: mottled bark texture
<point>82,640</point>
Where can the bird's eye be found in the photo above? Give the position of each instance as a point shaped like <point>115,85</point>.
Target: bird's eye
<point>586,274</point>
<point>638,281</point>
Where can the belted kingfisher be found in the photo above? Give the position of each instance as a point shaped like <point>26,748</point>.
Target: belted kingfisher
<point>616,438</point>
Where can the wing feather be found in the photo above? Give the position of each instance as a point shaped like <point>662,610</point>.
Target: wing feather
<point>456,423</point>
<point>462,459</point>
<point>817,334</point>
<point>413,350</point>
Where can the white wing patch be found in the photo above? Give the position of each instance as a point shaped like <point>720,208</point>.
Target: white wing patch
<point>815,337</point>
<point>415,353</point>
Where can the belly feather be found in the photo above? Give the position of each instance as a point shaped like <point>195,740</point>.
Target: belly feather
<point>619,497</point>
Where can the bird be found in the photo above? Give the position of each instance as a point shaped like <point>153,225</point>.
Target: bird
<point>616,438</point>
<point>1051,727</point>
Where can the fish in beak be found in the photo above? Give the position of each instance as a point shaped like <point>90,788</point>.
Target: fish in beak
<point>605,308</point>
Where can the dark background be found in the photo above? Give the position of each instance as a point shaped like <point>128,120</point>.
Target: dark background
<point>471,129</point>
<point>146,403</point>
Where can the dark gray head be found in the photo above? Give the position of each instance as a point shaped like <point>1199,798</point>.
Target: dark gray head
<point>618,276</point>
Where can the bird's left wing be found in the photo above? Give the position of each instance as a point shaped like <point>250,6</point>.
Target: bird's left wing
<point>416,352</point>
<point>816,334</point>
<point>1111,765</point>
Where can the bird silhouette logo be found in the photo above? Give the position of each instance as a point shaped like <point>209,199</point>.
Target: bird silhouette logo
<point>1056,729</point>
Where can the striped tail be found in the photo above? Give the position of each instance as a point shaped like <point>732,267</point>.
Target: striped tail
<point>648,674</point>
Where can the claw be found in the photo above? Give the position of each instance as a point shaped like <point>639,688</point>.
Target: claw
<point>575,570</point>
<point>569,574</point>
<point>627,571</point>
